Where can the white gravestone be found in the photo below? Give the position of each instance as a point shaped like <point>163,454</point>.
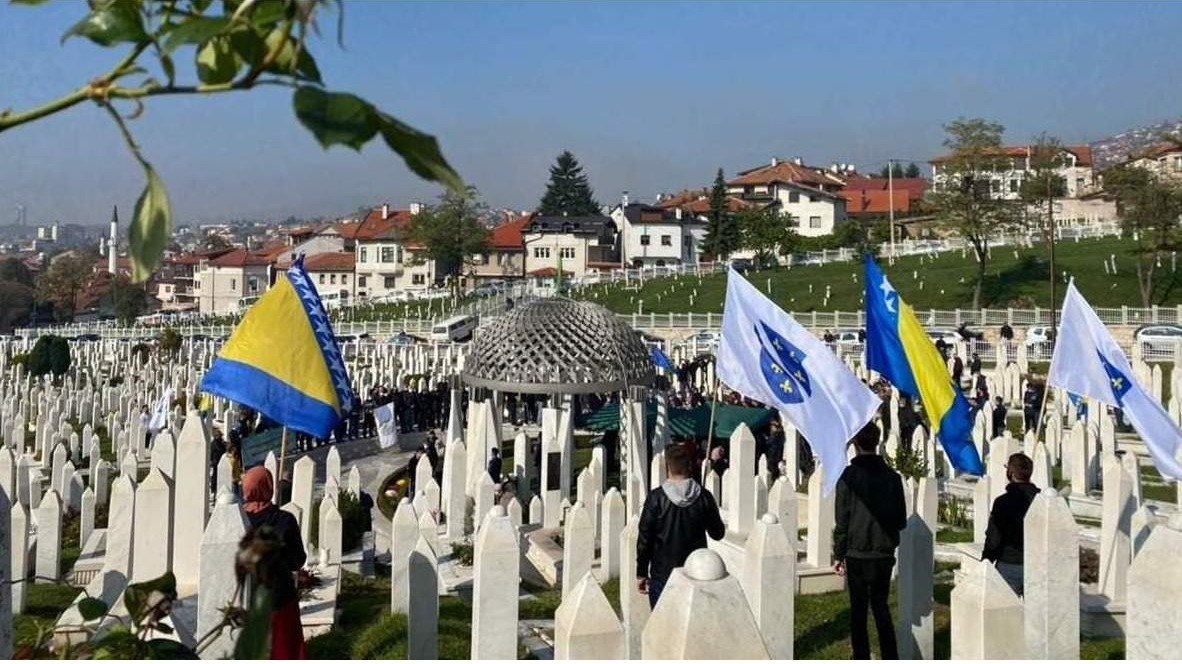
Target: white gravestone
<point>303,475</point>
<point>192,500</point>
<point>987,620</point>
<point>915,625</point>
<point>769,583</point>
<point>49,538</point>
<point>218,551</point>
<point>612,525</point>
<point>1051,579</point>
<point>496,561</point>
<point>820,527</point>
<point>586,626</point>
<point>1155,586</point>
<point>634,607</point>
<point>404,534</point>
<point>422,641</point>
<point>152,543</point>
<point>578,547</point>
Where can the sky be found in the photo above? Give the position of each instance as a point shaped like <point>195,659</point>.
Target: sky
<point>650,96</point>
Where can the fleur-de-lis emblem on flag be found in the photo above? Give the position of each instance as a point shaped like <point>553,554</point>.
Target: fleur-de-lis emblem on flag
<point>783,366</point>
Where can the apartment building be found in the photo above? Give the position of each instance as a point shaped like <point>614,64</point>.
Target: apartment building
<point>581,244</point>
<point>808,195</point>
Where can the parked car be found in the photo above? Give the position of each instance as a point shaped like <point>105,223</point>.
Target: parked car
<point>455,329</point>
<point>847,336</point>
<point>706,340</point>
<point>1159,339</point>
<point>948,334</point>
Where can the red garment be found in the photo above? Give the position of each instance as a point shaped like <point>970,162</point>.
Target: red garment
<point>287,633</point>
<point>258,489</point>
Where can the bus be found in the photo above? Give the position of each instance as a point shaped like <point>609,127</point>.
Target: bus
<point>458,328</point>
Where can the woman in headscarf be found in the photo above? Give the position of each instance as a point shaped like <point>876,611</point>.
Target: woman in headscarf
<point>287,634</point>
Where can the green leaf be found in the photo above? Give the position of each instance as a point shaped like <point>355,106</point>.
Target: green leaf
<point>30,3</point>
<point>195,30</point>
<point>335,118</point>
<point>216,62</point>
<point>292,59</point>
<point>268,13</point>
<point>255,640</point>
<point>420,151</point>
<point>168,66</point>
<point>151,226</point>
<point>113,22</point>
<point>91,608</point>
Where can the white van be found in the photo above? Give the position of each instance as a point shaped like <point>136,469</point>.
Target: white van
<point>458,328</point>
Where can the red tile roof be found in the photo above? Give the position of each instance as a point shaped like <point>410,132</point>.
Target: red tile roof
<point>875,201</point>
<point>508,234</point>
<point>787,171</point>
<point>374,227</point>
<point>328,261</point>
<point>915,187</point>
<point>697,201</point>
<point>1083,153</point>
<point>239,258</point>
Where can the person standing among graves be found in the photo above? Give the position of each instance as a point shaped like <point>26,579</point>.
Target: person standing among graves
<point>1004,536</point>
<point>775,448</point>
<point>870,512</point>
<point>674,523</point>
<point>272,523</point>
<point>1031,404</point>
<point>494,465</point>
<point>217,447</point>
<point>1006,332</point>
<point>974,365</point>
<point>999,418</point>
<point>957,370</point>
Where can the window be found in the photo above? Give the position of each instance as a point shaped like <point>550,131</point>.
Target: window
<point>541,252</point>
<point>322,280</point>
<point>387,254</point>
<point>253,284</point>
<point>361,281</point>
<point>1178,163</point>
<point>233,284</point>
<point>390,282</point>
<point>1079,184</point>
<point>644,240</point>
<point>794,197</point>
<point>332,279</point>
<point>418,279</point>
<point>666,240</point>
<point>814,222</point>
<point>567,253</point>
<point>364,254</point>
<point>1013,186</point>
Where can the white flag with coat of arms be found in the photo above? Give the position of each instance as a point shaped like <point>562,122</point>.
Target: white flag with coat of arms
<point>159,419</point>
<point>387,425</point>
<point>1088,361</point>
<point>764,354</point>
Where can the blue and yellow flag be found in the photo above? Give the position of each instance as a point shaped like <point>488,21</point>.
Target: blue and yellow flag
<point>899,348</point>
<point>283,361</point>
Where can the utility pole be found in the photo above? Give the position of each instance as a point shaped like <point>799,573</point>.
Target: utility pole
<point>1051,240</point>
<point>891,201</point>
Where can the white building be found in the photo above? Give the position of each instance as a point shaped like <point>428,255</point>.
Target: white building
<point>651,235</point>
<point>387,263</point>
<point>807,193</point>
<point>1013,165</point>
<point>580,244</point>
<point>1163,160</point>
<point>224,283</point>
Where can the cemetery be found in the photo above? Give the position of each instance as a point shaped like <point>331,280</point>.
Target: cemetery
<point>104,513</point>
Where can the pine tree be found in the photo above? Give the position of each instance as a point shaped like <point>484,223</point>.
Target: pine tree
<point>723,235</point>
<point>912,170</point>
<point>568,192</point>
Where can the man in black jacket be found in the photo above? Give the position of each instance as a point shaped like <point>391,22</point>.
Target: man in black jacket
<point>870,512</point>
<point>1004,536</point>
<point>999,418</point>
<point>674,523</point>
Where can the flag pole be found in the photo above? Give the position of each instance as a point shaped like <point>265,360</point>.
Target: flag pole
<point>713,407</point>
<point>282,457</point>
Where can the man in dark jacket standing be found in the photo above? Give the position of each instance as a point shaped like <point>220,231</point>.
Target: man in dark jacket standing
<point>870,512</point>
<point>1004,536</point>
<point>674,523</point>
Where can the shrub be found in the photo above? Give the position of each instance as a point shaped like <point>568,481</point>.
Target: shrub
<point>1089,566</point>
<point>354,521</point>
<point>170,342</point>
<point>140,352</point>
<point>51,354</point>
<point>908,463</point>
<point>954,512</point>
<point>21,359</point>
<point>464,552</point>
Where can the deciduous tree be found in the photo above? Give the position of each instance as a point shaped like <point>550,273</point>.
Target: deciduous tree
<point>767,233</point>
<point>966,201</point>
<point>1150,211</point>
<point>63,281</point>
<point>452,231</point>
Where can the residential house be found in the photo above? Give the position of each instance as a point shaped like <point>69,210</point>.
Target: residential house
<point>1163,160</point>
<point>505,258</point>
<point>333,274</point>
<point>581,245</point>
<point>388,263</point>
<point>223,284</point>
<point>694,205</point>
<point>655,236</point>
<point>176,285</point>
<point>875,197</point>
<point>1013,165</point>
<point>808,195</point>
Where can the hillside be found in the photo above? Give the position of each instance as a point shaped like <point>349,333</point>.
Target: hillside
<point>1115,149</point>
<point>1016,278</point>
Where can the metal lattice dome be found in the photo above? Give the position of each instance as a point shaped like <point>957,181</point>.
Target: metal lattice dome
<point>558,346</point>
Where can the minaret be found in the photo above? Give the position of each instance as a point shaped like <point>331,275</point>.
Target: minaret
<point>113,242</point>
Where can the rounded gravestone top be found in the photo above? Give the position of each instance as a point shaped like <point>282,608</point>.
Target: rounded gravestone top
<point>227,498</point>
<point>769,518</point>
<point>705,565</point>
<point>558,346</point>
<point>499,510</point>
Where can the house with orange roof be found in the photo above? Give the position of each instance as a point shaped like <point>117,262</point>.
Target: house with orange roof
<point>1013,165</point>
<point>387,262</point>
<point>333,274</point>
<point>808,196</point>
<point>504,259</point>
<point>1163,160</point>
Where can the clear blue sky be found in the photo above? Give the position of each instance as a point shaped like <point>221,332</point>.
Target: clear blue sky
<point>650,96</point>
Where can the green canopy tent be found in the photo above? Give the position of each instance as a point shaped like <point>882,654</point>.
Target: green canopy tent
<point>683,422</point>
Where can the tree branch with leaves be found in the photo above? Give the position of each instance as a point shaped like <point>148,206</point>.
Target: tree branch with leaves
<point>239,45</point>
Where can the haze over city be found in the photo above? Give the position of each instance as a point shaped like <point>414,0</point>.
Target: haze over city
<point>651,97</point>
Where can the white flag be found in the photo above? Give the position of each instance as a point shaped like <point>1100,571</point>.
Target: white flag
<point>387,425</point>
<point>766,355</point>
<point>159,419</point>
<point>1088,361</point>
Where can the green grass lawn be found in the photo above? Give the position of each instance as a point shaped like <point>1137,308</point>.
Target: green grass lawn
<point>1020,282</point>
<point>953,535</point>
